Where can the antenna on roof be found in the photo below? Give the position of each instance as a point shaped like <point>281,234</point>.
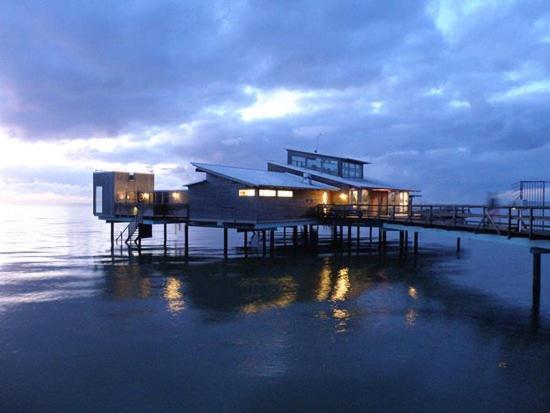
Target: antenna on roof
<point>317,146</point>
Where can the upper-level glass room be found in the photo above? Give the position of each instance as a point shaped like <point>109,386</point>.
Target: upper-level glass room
<point>333,165</point>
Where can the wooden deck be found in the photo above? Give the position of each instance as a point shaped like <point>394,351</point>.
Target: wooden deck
<point>510,221</point>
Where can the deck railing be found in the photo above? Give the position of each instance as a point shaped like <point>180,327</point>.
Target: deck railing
<point>504,220</point>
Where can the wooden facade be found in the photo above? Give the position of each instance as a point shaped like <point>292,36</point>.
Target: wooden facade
<point>295,190</point>
<point>117,193</point>
<point>217,200</point>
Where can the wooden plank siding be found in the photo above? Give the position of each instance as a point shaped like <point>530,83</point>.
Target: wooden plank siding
<point>218,200</point>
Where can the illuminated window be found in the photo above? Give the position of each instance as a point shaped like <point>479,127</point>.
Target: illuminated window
<point>285,194</point>
<point>248,192</point>
<point>121,196</point>
<point>176,196</point>
<point>343,197</point>
<point>325,197</point>
<point>98,199</point>
<point>268,192</point>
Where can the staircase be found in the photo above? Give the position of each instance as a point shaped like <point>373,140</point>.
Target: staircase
<point>131,230</point>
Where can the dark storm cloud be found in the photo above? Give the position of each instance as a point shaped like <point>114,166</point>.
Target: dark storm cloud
<point>442,95</point>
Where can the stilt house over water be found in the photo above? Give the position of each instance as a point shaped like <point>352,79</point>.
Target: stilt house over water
<point>283,194</point>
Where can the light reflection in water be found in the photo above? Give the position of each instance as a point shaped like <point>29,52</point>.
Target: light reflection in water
<point>413,293</point>
<point>410,317</point>
<point>342,285</point>
<point>325,281</point>
<point>287,286</point>
<point>173,295</point>
<point>145,288</point>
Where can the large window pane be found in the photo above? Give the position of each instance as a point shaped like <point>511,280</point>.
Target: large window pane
<point>98,199</point>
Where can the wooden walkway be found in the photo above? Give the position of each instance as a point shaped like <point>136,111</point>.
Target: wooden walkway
<point>510,221</point>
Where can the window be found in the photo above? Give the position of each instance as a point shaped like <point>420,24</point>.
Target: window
<point>121,196</point>
<point>176,196</point>
<point>285,194</point>
<point>351,170</point>
<point>313,163</point>
<point>354,196</point>
<point>298,161</point>
<point>268,192</point>
<point>98,199</point>
<point>247,192</point>
<point>325,197</point>
<point>329,166</point>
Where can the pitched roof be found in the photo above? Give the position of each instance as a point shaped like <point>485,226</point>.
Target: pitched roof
<point>261,178</point>
<point>328,156</point>
<point>336,180</point>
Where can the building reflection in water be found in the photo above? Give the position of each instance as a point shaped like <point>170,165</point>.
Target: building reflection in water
<point>173,295</point>
<point>410,317</point>
<point>342,286</point>
<point>288,294</point>
<point>325,284</point>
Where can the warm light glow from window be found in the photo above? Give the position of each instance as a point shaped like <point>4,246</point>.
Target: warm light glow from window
<point>285,194</point>
<point>268,192</point>
<point>176,196</point>
<point>343,197</point>
<point>247,192</point>
<point>121,196</point>
<point>146,196</point>
<point>325,197</point>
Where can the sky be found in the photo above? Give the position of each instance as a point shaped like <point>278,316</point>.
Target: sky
<point>448,97</point>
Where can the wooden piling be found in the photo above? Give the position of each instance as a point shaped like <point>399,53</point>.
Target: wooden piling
<point>358,237</point>
<point>415,243</point>
<point>536,278</point>
<point>295,237</point>
<point>186,234</point>
<point>113,236</point>
<point>165,237</point>
<point>458,244</point>
<point>264,241</point>
<point>245,243</point>
<point>370,235</point>
<point>272,241</point>
<point>225,242</point>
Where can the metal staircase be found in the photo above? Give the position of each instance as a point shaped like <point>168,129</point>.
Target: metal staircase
<point>130,231</point>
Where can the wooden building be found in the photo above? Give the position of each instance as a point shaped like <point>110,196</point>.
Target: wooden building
<point>242,195</point>
<point>283,194</point>
<point>347,174</point>
<point>123,196</point>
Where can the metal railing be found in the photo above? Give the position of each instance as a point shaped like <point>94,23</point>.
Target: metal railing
<point>503,220</point>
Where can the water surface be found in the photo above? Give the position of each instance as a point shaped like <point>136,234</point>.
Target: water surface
<point>81,330</point>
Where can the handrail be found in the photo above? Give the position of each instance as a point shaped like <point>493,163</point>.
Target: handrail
<point>510,220</point>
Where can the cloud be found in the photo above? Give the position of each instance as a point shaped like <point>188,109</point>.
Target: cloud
<point>422,89</point>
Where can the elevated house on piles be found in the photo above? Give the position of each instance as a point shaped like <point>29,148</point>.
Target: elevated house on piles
<point>284,194</point>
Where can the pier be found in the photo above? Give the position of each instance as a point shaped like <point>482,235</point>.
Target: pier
<point>311,190</point>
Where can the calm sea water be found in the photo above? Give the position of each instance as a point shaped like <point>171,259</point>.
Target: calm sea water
<point>81,330</point>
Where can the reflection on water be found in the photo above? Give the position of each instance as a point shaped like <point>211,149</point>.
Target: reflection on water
<point>410,317</point>
<point>413,293</point>
<point>342,285</point>
<point>263,334</point>
<point>173,295</point>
